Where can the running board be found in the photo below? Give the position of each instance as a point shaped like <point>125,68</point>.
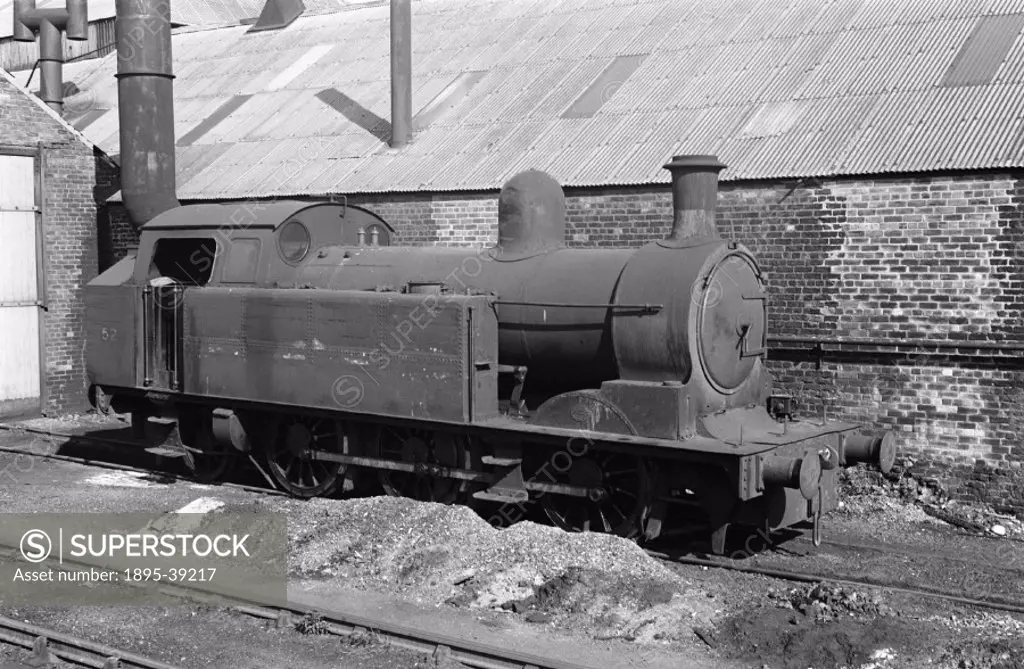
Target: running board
<point>438,471</point>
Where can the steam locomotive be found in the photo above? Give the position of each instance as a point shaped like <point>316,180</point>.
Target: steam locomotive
<point>614,387</point>
<point>621,390</point>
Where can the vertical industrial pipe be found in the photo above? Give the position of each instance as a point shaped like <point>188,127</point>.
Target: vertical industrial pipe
<point>49,22</point>
<point>145,91</point>
<point>694,197</point>
<point>22,9</point>
<point>78,20</point>
<point>51,66</point>
<point>401,73</point>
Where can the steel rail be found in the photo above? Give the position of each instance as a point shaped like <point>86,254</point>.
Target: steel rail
<point>807,577</point>
<point>891,550</point>
<point>104,441</point>
<point>66,655</point>
<point>468,651</point>
<point>465,651</point>
<point>399,634</point>
<point>8,625</point>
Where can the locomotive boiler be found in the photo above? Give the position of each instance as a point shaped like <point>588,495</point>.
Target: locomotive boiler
<point>618,389</point>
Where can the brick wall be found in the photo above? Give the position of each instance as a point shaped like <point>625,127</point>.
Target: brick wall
<point>926,258</point>
<point>69,172</point>
<point>937,258</point>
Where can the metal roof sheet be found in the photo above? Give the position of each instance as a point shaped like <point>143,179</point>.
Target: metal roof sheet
<point>98,10</point>
<point>201,13</point>
<point>985,50</point>
<point>778,88</point>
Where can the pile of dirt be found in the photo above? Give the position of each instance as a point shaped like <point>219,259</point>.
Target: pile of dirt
<point>983,641</point>
<point>827,601</point>
<point>978,654</point>
<point>975,517</point>
<point>823,626</point>
<point>828,626</point>
<point>786,638</point>
<point>865,491</point>
<point>448,555</point>
<point>900,496</point>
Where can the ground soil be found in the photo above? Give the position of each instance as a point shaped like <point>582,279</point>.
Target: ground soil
<point>186,636</point>
<point>604,589</point>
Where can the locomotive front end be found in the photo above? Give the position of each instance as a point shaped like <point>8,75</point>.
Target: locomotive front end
<point>710,333</point>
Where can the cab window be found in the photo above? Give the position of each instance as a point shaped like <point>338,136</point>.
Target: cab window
<point>187,260</point>
<point>243,258</point>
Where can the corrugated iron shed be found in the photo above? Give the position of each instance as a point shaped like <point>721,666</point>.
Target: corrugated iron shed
<point>776,88</point>
<point>98,10</point>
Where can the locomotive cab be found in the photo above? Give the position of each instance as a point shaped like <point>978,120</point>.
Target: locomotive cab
<point>139,304</point>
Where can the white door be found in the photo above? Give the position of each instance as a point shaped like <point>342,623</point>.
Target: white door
<point>19,287</point>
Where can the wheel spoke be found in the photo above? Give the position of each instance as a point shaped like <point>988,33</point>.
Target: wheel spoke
<point>622,516</point>
<point>290,455</point>
<point>619,511</point>
<point>426,448</point>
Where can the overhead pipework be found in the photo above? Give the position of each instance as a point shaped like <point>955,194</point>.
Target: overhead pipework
<point>145,91</point>
<point>401,73</point>
<point>49,22</point>
<point>694,199</point>
<point>531,216</point>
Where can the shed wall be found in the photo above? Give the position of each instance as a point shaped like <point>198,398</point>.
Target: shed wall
<point>73,175</point>
<point>928,258</point>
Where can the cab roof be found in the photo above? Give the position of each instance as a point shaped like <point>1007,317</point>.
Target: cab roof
<point>235,215</point>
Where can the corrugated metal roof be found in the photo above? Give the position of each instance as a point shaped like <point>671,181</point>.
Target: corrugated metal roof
<point>194,12</point>
<point>98,10</point>
<point>777,88</point>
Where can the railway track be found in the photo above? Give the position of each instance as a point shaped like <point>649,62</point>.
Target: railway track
<point>937,553</point>
<point>48,646</point>
<point>995,604</point>
<point>467,650</point>
<point>106,441</point>
<point>339,624</point>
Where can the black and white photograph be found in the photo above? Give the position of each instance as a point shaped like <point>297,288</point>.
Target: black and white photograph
<point>512,334</point>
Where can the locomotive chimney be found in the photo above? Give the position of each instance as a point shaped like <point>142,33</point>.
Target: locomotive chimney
<point>49,22</point>
<point>145,92</point>
<point>401,73</point>
<point>694,196</point>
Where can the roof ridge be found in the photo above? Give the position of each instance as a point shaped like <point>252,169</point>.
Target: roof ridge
<point>37,101</point>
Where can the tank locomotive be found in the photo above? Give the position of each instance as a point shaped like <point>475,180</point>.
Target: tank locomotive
<point>620,389</point>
